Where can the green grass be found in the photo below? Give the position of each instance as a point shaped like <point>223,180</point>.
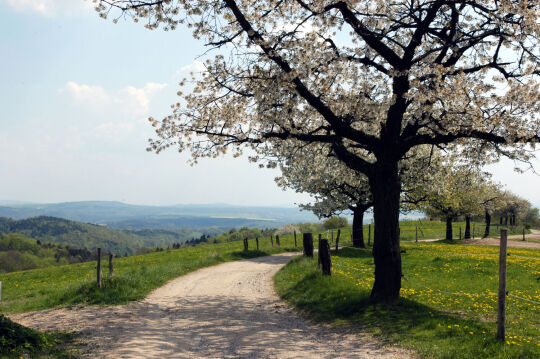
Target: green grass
<point>447,307</point>
<point>17,341</point>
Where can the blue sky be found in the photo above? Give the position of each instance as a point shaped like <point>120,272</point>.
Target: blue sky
<point>75,93</point>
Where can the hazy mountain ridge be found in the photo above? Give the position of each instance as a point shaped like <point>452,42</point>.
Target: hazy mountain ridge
<point>122,215</point>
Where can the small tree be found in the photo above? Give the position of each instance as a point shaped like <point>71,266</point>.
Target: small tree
<point>334,187</point>
<point>335,222</point>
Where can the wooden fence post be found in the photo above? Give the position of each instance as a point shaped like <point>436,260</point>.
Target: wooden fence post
<point>501,310</point>
<point>308,244</point>
<point>277,241</point>
<point>295,240</point>
<point>337,239</point>
<point>416,234</point>
<point>473,231</point>
<point>324,257</point>
<point>523,234</point>
<point>0,291</point>
<point>272,240</point>
<point>111,265</point>
<point>319,257</point>
<point>460,233</point>
<point>332,236</point>
<point>99,267</point>
<point>245,244</point>
<point>257,241</point>
<point>369,235</point>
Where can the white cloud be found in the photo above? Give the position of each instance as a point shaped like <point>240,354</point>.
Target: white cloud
<point>86,93</point>
<point>195,67</point>
<point>50,7</point>
<point>132,99</point>
<point>141,96</point>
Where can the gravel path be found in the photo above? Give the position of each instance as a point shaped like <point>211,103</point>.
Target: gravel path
<point>225,311</point>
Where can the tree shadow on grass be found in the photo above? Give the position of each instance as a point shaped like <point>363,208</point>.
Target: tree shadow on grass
<point>432,333</point>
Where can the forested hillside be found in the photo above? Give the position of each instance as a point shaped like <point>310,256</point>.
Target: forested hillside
<point>91,236</point>
<point>18,252</point>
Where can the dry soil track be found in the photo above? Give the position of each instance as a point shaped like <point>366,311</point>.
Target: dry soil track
<point>226,311</point>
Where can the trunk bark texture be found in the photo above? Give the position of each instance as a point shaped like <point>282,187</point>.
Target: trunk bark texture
<point>449,228</point>
<point>488,224</point>
<point>467,227</point>
<point>385,187</point>
<point>358,228</point>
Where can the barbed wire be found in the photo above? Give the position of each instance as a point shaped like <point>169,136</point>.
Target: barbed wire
<point>525,299</point>
<point>515,255</point>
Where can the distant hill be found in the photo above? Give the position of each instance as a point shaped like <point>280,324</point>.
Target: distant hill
<point>126,216</point>
<point>91,236</point>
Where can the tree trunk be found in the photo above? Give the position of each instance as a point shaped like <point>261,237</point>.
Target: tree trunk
<point>385,188</point>
<point>358,228</point>
<point>506,220</point>
<point>467,227</point>
<point>488,223</point>
<point>449,228</point>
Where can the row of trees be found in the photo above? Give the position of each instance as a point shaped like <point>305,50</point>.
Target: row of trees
<point>370,84</point>
<point>467,192</point>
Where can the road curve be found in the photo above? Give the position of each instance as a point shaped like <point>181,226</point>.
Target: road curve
<point>225,311</point>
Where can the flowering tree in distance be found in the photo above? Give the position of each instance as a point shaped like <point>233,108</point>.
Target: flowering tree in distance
<point>370,79</point>
<point>335,187</point>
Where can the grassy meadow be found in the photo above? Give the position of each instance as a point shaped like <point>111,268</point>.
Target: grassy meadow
<point>134,277</point>
<point>449,299</point>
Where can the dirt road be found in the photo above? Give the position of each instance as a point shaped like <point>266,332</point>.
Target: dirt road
<point>225,311</point>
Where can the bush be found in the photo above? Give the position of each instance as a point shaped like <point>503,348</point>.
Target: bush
<point>335,222</point>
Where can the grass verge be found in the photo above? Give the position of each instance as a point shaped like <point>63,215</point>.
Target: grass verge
<point>448,305</point>
<point>17,341</point>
